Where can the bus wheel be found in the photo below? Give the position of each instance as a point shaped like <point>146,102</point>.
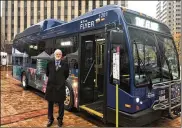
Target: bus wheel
<point>68,103</point>
<point>24,81</point>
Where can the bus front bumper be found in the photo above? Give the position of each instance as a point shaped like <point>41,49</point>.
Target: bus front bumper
<point>137,119</point>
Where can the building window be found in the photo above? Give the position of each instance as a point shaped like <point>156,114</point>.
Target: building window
<point>52,8</point>
<point>72,16</point>
<point>32,21</point>
<point>5,36</point>
<point>59,3</point>
<point>25,3</point>
<point>65,17</point>
<point>101,3</point>
<point>18,3</point>
<point>115,2</point>
<point>38,4</point>
<point>59,11</point>
<point>45,11</point>
<point>66,10</point>
<point>25,25</point>
<point>93,5</point>
<point>38,13</point>
<point>12,8</point>
<point>6,3</point>
<point>38,18</point>
<point>12,19</point>
<point>18,21</point>
<point>6,13</point>
<point>18,9</point>
<point>72,12</point>
<point>108,2</point>
<point>45,3</point>
<point>32,3</point>
<point>86,5</point>
<point>45,16</point>
<point>12,26</point>
<point>79,7</point>
<point>12,36</point>
<point>59,16</point>
<point>18,30</point>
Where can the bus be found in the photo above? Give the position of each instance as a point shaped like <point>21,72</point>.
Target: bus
<point>123,65</point>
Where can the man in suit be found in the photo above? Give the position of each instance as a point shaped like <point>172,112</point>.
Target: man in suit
<point>57,73</point>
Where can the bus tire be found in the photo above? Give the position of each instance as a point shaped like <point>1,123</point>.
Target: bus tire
<point>24,81</point>
<point>69,101</point>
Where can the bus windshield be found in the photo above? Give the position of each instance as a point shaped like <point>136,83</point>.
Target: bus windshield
<point>152,65</point>
<point>169,53</point>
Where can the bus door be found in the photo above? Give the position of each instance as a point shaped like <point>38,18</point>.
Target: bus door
<point>92,72</point>
<point>87,75</point>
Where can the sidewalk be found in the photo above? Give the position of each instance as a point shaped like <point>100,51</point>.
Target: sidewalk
<point>21,108</point>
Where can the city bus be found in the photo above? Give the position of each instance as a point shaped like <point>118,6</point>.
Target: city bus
<point>123,65</point>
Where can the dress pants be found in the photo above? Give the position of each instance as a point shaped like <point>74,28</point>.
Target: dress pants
<point>50,110</point>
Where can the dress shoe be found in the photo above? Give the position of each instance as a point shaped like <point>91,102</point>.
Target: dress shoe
<point>50,122</point>
<point>60,123</point>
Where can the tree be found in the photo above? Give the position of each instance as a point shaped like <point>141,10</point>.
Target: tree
<point>177,41</point>
<point>3,43</point>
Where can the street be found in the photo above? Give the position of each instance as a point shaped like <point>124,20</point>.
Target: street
<point>20,108</point>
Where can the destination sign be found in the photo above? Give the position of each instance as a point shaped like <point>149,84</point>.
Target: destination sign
<point>145,22</point>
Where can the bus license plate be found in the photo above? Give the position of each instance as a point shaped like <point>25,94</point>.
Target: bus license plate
<point>161,98</point>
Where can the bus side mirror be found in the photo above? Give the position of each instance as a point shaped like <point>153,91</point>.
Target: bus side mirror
<point>116,37</point>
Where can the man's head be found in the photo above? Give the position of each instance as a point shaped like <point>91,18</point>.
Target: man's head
<point>58,54</point>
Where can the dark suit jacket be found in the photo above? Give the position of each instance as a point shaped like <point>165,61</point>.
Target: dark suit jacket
<point>55,90</point>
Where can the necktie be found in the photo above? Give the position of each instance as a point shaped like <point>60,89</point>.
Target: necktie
<point>57,65</point>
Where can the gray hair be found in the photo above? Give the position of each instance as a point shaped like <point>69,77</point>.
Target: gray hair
<point>57,50</point>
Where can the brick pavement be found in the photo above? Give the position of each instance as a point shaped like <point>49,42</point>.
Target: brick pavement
<point>21,108</point>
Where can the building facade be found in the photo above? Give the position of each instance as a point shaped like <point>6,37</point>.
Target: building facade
<point>20,14</point>
<point>169,12</point>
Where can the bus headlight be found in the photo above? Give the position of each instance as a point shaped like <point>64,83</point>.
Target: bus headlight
<point>137,100</point>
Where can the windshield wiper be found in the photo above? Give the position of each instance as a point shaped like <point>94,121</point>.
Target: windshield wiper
<point>167,62</point>
<point>144,68</point>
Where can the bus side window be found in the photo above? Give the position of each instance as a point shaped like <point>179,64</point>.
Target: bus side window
<point>73,64</point>
<point>67,45</point>
<point>33,63</point>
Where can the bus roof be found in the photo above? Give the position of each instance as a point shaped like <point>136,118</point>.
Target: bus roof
<point>82,23</point>
<point>39,27</point>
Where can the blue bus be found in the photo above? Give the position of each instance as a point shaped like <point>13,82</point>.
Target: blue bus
<point>124,66</point>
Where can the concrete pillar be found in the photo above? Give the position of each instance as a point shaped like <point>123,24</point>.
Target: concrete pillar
<point>41,10</point>
<point>55,9</point>
<point>48,9</point>
<point>69,10</point>
<point>90,3</point>
<point>83,7</point>
<point>35,11</point>
<point>9,21</point>
<point>62,10</point>
<point>97,4</point>
<point>76,8</point>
